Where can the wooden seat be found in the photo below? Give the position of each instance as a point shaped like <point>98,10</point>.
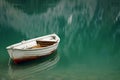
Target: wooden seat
<point>45,43</point>
<point>41,44</point>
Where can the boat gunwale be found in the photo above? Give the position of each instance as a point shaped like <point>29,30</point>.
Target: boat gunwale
<point>34,39</point>
<point>34,49</point>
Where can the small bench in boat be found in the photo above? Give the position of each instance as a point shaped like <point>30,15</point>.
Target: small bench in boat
<point>41,44</point>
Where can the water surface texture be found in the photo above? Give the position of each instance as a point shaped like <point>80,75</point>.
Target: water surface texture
<point>89,32</point>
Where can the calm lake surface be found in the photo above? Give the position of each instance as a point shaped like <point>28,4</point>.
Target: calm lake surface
<point>89,32</point>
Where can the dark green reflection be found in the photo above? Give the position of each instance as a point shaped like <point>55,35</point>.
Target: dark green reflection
<point>33,6</point>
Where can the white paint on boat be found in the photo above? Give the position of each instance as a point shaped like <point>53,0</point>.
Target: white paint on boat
<point>23,49</point>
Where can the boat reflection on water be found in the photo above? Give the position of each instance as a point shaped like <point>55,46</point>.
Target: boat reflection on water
<point>28,69</point>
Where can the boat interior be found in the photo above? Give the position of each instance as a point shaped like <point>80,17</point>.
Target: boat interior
<point>42,44</point>
<point>38,43</point>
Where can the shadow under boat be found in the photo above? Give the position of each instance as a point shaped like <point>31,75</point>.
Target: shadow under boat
<point>27,69</point>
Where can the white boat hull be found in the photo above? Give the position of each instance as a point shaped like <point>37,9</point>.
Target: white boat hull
<point>19,55</point>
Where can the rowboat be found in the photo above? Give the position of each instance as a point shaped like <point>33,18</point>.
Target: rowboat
<point>33,48</point>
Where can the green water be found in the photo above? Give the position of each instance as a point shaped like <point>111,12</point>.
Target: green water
<point>89,32</point>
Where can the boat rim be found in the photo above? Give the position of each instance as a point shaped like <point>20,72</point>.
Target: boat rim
<point>34,48</point>
<point>27,41</point>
